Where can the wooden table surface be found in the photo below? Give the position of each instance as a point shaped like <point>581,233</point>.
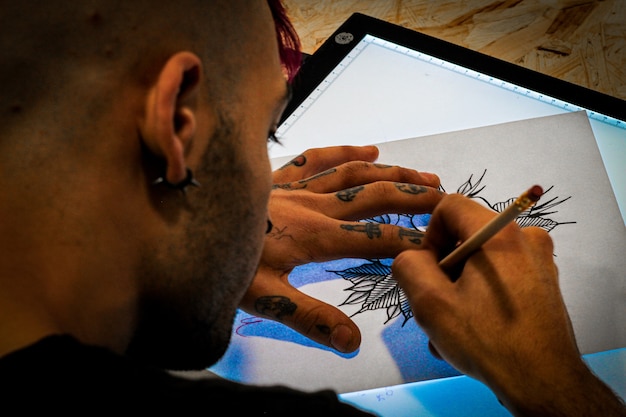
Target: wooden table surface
<point>583,42</point>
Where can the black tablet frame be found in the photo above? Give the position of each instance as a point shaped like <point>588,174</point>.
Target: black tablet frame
<point>317,66</point>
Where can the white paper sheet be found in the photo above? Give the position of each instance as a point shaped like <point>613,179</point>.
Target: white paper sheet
<point>557,152</point>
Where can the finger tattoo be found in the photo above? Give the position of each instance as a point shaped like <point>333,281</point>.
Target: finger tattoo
<point>298,161</point>
<point>275,306</point>
<point>349,194</point>
<point>277,233</point>
<point>289,186</point>
<point>411,188</point>
<point>372,230</point>
<point>303,183</point>
<point>414,236</point>
<point>320,175</point>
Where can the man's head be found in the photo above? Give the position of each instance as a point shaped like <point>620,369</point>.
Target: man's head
<point>99,100</point>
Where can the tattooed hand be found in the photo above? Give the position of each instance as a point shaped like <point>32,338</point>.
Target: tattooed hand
<point>315,207</point>
<point>503,320</point>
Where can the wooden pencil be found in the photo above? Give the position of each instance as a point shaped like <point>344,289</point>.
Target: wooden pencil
<point>526,200</point>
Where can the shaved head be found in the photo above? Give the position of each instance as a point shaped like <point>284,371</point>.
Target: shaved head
<point>53,49</point>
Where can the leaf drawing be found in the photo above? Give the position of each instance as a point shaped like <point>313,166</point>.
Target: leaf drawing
<point>373,286</point>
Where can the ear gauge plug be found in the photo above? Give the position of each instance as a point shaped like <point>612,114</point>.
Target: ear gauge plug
<point>182,186</point>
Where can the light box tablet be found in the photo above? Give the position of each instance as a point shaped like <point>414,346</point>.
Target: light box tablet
<point>373,82</point>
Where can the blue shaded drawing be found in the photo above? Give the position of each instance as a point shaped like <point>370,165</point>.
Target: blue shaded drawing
<point>372,287</point>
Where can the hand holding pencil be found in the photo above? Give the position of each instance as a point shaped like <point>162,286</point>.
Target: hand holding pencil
<point>526,200</point>
<point>503,320</point>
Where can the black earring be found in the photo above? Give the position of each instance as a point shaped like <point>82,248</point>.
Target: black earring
<point>182,186</point>
<point>269,226</point>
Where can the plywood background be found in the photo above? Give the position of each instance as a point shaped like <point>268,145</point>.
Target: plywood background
<point>583,42</point>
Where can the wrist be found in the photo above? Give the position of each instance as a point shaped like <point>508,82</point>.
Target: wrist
<point>566,391</point>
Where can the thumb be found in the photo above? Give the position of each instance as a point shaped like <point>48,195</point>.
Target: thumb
<point>426,286</point>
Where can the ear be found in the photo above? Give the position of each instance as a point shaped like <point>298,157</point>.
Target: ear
<point>170,119</point>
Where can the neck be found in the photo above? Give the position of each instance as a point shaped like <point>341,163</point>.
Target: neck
<point>61,271</point>
<point>39,298</point>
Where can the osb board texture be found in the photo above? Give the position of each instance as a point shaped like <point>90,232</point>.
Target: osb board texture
<point>583,42</point>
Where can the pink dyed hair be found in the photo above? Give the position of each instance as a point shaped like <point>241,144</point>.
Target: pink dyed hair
<point>289,47</point>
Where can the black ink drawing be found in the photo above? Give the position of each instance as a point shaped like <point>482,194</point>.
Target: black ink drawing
<point>373,286</point>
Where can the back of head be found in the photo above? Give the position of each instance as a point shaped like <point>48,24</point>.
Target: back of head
<point>68,69</point>
<point>78,159</point>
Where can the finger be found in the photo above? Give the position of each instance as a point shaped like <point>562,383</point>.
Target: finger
<point>433,351</point>
<point>356,173</point>
<point>335,239</point>
<point>361,202</point>
<point>455,219</point>
<point>372,240</point>
<point>316,160</point>
<point>308,316</point>
<point>426,286</point>
<point>366,201</point>
<point>540,240</point>
<point>430,294</point>
<point>338,234</point>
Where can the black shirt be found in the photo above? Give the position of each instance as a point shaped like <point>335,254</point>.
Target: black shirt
<point>59,373</point>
